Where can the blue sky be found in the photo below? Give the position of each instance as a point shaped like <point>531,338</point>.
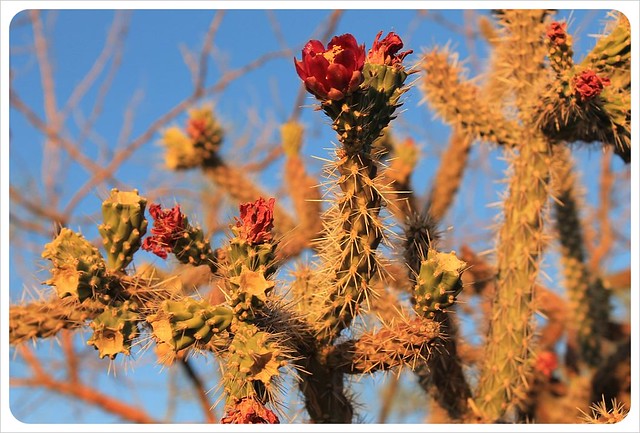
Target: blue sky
<point>153,75</point>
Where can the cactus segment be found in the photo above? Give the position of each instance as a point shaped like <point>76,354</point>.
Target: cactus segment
<point>439,282</point>
<point>250,294</point>
<point>252,368</point>
<point>114,330</point>
<point>78,269</point>
<point>180,324</point>
<point>360,117</point>
<point>124,225</point>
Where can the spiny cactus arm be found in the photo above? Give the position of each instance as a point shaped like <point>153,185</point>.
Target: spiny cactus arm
<point>184,323</point>
<point>446,381</point>
<point>400,344</point>
<point>436,279</point>
<point>482,282</point>
<point>590,101</point>
<point>360,111</point>
<point>252,365</point>
<point>460,103</point>
<point>325,396</point>
<point>589,300</point>
<point>520,241</point>
<point>522,42</point>
<point>115,329</point>
<point>601,414</point>
<point>612,52</point>
<point>45,319</point>
<point>448,177</point>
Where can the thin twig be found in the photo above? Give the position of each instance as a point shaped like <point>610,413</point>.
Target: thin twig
<point>78,391</point>
<point>200,390</point>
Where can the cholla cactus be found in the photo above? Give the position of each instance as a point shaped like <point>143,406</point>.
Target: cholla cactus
<point>347,312</point>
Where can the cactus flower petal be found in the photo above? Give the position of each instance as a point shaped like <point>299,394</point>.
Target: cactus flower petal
<point>334,72</point>
<point>386,51</point>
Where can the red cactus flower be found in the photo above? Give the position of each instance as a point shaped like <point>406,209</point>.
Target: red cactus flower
<point>557,33</point>
<point>589,85</point>
<point>168,226</point>
<point>250,411</point>
<point>385,52</point>
<point>256,221</point>
<point>331,73</point>
<point>196,128</point>
<point>546,363</point>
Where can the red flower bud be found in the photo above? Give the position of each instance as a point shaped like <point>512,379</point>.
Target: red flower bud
<point>168,226</point>
<point>250,411</point>
<point>256,221</point>
<point>589,85</point>
<point>557,33</point>
<point>546,363</point>
<point>385,52</point>
<point>196,128</point>
<point>331,73</point>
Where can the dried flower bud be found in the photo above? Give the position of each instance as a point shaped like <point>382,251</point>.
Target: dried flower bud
<point>557,33</point>
<point>250,411</point>
<point>385,51</point>
<point>589,85</point>
<point>256,221</point>
<point>168,226</point>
